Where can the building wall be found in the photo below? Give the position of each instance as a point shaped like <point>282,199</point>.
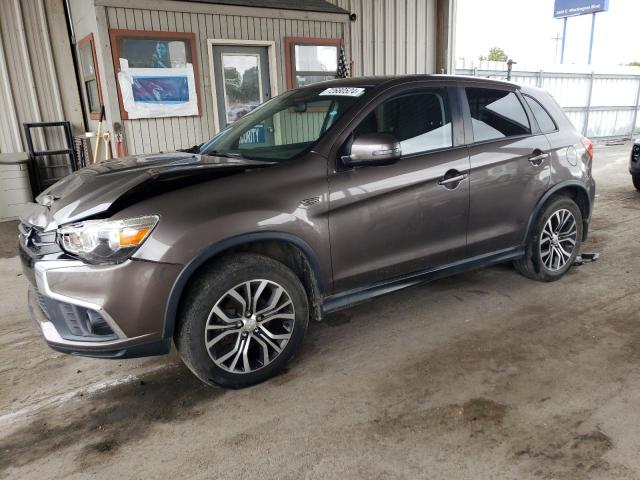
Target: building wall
<point>33,68</point>
<point>215,22</point>
<point>392,37</point>
<point>388,37</point>
<point>35,61</point>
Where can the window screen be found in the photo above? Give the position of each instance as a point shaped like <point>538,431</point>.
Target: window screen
<point>496,114</point>
<point>421,121</point>
<point>545,122</point>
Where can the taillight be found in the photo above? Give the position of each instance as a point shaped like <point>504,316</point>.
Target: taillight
<point>588,146</point>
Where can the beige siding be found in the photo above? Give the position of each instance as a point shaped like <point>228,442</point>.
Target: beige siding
<point>152,135</point>
<point>392,37</point>
<point>29,77</point>
<point>35,60</point>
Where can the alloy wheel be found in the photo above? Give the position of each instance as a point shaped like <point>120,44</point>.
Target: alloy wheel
<point>558,239</point>
<point>249,326</point>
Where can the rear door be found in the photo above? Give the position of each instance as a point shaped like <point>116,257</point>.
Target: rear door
<point>386,221</point>
<point>510,168</point>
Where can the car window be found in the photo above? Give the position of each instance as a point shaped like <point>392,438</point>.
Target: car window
<point>496,114</point>
<point>420,120</point>
<point>545,122</point>
<point>285,126</point>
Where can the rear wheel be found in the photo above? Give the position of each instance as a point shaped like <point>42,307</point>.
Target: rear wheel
<point>242,320</point>
<point>636,180</point>
<point>554,242</point>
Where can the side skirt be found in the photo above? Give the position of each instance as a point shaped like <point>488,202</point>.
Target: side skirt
<point>352,297</point>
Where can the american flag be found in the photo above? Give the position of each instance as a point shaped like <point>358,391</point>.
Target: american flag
<point>343,67</point>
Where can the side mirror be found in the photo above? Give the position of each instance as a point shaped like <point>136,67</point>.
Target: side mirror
<point>373,149</point>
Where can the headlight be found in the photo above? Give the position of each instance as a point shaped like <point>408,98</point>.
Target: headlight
<point>106,241</point>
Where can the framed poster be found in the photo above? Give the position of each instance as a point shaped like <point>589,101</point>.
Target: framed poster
<point>157,73</point>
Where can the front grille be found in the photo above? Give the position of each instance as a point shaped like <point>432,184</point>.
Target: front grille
<point>37,242</point>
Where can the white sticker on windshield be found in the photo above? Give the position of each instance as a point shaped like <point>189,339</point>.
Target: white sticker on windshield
<point>344,91</point>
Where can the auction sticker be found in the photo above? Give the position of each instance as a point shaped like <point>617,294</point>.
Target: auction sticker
<point>343,91</point>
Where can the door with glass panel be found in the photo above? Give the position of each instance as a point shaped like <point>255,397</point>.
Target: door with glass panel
<point>242,83</point>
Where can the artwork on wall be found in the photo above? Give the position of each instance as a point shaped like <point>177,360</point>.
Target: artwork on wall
<point>157,73</point>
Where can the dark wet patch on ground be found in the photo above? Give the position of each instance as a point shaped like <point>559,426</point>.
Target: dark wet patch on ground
<point>476,414</point>
<point>568,455</point>
<point>9,239</point>
<point>105,422</point>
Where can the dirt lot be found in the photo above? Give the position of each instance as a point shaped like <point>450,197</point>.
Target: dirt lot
<point>485,375</point>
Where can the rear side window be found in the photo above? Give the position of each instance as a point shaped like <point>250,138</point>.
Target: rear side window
<point>420,120</point>
<point>545,122</point>
<point>496,114</point>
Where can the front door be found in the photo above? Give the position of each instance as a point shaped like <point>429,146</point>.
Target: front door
<point>242,83</point>
<point>387,221</point>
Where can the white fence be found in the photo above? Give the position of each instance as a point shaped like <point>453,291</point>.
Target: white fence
<point>598,104</point>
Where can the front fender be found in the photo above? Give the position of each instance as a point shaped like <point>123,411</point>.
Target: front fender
<point>211,251</point>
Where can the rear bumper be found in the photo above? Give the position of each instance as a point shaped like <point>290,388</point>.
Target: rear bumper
<point>112,311</point>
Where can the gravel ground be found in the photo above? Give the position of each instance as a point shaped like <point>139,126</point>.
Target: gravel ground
<point>484,375</point>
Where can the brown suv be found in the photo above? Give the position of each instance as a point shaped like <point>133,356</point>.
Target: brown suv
<point>320,198</point>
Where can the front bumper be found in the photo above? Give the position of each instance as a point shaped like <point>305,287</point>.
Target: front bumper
<point>111,311</point>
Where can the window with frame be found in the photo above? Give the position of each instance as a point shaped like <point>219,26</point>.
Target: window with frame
<point>546,123</point>
<point>155,50</point>
<point>496,114</point>
<point>89,76</point>
<point>420,120</point>
<point>311,60</point>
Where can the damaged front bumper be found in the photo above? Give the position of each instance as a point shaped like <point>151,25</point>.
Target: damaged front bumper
<point>110,311</point>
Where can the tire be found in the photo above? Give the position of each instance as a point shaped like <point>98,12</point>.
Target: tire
<point>543,260</point>
<point>636,180</point>
<point>212,324</point>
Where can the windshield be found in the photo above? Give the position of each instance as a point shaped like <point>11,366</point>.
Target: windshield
<point>285,126</point>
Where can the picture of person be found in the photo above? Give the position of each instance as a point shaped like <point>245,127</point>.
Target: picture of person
<point>160,57</point>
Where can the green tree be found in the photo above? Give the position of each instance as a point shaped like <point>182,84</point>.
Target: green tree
<point>250,89</point>
<point>633,64</point>
<point>496,54</point>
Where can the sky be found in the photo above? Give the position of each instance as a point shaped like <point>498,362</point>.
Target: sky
<point>525,28</point>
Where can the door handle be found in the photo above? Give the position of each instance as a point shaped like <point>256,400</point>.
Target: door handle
<point>452,178</point>
<point>536,160</point>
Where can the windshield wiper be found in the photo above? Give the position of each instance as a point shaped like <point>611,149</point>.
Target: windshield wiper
<point>218,153</point>
<point>194,149</point>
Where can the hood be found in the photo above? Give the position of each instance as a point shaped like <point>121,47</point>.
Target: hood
<point>94,189</point>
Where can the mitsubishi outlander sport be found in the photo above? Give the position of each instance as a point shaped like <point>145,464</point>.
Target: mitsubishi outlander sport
<point>320,198</point>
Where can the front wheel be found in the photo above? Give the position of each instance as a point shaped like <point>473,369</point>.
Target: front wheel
<point>636,180</point>
<point>554,242</point>
<point>241,320</point>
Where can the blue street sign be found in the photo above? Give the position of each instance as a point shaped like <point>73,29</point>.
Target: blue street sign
<point>569,8</point>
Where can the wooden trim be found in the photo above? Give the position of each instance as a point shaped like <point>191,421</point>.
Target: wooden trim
<point>288,52</point>
<point>116,33</point>
<point>81,43</point>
